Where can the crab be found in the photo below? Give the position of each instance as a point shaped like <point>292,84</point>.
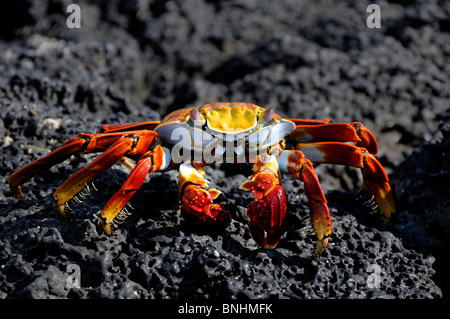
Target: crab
<point>190,138</point>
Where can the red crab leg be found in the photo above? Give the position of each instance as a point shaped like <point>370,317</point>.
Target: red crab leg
<point>84,143</point>
<point>109,128</point>
<point>132,144</point>
<point>151,161</point>
<point>268,213</point>
<point>196,202</point>
<point>339,132</point>
<point>309,122</point>
<point>294,163</point>
<point>375,178</point>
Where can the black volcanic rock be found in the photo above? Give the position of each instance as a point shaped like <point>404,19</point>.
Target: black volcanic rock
<point>136,61</point>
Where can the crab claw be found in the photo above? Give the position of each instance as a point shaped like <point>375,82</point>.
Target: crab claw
<point>197,205</point>
<point>266,218</point>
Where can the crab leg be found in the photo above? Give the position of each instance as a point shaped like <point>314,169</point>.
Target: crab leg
<point>375,178</point>
<point>339,132</point>
<point>131,144</point>
<point>294,163</point>
<point>268,213</point>
<point>196,202</point>
<point>109,128</point>
<point>84,143</point>
<point>308,122</point>
<point>152,161</point>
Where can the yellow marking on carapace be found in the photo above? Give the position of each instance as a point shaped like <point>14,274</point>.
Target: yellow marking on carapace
<point>231,117</point>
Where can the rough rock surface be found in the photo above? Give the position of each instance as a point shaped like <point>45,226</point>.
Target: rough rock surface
<point>137,60</point>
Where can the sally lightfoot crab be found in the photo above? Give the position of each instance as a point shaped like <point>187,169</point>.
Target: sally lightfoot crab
<point>190,138</point>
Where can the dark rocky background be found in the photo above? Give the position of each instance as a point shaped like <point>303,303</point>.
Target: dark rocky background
<point>137,60</point>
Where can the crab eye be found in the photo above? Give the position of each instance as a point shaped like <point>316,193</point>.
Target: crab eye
<point>268,115</point>
<point>195,116</point>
